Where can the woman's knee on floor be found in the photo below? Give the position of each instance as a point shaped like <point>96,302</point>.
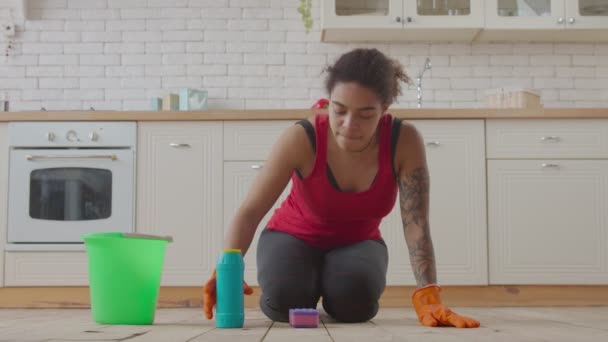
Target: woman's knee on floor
<point>279,297</point>
<point>350,301</point>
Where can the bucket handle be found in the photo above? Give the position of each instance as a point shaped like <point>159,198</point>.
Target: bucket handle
<point>148,236</point>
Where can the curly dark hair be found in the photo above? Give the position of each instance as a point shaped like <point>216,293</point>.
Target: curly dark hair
<point>371,69</point>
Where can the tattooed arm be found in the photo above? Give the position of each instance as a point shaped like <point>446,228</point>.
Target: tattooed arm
<point>414,202</point>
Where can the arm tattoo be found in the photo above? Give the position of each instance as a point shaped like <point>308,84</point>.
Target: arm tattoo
<point>414,202</point>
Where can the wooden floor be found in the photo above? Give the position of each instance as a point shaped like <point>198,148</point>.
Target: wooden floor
<point>175,325</point>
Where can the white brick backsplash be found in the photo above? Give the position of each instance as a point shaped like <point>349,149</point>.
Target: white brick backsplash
<point>469,60</point>
<point>141,59</point>
<point>89,25</point>
<point>590,60</point>
<point>104,83</point>
<point>87,4</point>
<point>117,54</point>
<point>246,47</point>
<point>125,94</point>
<point>60,36</point>
<point>309,59</point>
<point>125,48</point>
<point>248,24</point>
<point>575,72</point>
<point>101,36</point>
<point>41,48</point>
<point>125,71</point>
<point>141,82</point>
<point>590,83</point>
<point>58,60</point>
<point>142,36</point>
<point>46,94</point>
<point>165,70</point>
<point>182,36</point>
<point>509,60</point>
<point>58,83</point>
<point>86,94</point>
<point>100,14</point>
<point>206,47</point>
<point>247,70</point>
<point>83,48</point>
<point>100,60</point>
<point>573,95</point>
<point>164,24</point>
<point>223,36</point>
<point>207,70</point>
<point>83,71</point>
<point>181,82</point>
<point>556,83</point>
<point>163,3</point>
<point>247,93</point>
<point>470,83</point>
<point>498,82</point>
<point>207,24</point>
<point>222,81</point>
<point>531,71</point>
<point>542,60</point>
<point>45,25</point>
<point>270,59</point>
<point>221,13</point>
<point>166,47</point>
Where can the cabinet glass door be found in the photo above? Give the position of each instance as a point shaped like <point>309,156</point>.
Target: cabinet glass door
<point>587,14</point>
<point>525,14</point>
<point>362,13</point>
<point>443,13</point>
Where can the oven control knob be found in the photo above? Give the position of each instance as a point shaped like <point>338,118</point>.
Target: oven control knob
<point>94,136</point>
<point>50,136</point>
<point>71,136</point>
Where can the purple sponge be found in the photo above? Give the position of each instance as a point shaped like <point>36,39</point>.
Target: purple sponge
<point>304,318</point>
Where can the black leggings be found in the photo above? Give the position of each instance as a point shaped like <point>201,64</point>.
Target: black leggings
<point>293,274</point>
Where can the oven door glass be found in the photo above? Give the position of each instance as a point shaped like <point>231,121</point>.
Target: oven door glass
<point>70,194</point>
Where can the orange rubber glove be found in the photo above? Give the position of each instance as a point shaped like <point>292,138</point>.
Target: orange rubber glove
<point>210,297</point>
<point>432,313</point>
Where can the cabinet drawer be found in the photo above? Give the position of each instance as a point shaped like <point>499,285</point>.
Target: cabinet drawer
<point>252,140</point>
<point>580,138</point>
<point>46,269</point>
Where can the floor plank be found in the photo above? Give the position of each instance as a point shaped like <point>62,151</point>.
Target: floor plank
<point>189,325</point>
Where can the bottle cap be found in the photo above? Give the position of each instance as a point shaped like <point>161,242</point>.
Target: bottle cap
<point>232,251</point>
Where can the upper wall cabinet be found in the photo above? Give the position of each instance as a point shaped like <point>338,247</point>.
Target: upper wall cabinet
<point>406,20</point>
<point>546,20</point>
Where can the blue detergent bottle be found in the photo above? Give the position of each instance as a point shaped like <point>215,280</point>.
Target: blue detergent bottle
<point>230,309</point>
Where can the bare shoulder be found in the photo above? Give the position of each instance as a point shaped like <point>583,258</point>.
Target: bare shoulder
<point>292,146</point>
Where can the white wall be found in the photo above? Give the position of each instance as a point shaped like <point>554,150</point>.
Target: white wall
<point>116,54</point>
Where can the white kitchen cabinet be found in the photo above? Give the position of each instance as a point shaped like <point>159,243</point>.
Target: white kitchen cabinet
<point>548,221</point>
<point>3,193</point>
<point>179,193</point>
<point>456,160</point>
<point>238,177</point>
<point>553,20</point>
<point>246,146</point>
<point>422,20</point>
<point>46,268</point>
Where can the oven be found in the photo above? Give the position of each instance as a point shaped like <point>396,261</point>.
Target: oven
<point>67,179</point>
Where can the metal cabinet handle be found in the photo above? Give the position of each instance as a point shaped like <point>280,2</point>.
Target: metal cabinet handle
<point>177,145</point>
<point>560,20</point>
<point>257,167</point>
<point>433,144</point>
<point>550,138</point>
<point>571,20</point>
<point>398,19</point>
<point>550,166</point>
<point>409,19</point>
<point>112,157</point>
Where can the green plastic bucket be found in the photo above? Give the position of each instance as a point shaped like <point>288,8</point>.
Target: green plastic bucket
<point>124,276</point>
